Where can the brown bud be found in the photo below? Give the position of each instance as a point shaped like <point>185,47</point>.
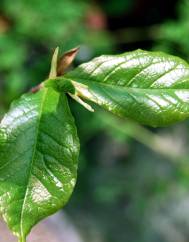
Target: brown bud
<point>65,61</point>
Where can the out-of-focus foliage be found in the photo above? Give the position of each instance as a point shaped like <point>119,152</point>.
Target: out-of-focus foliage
<point>115,9</point>
<point>124,187</point>
<point>174,34</point>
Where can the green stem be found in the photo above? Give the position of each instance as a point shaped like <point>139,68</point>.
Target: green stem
<point>141,134</point>
<point>21,239</point>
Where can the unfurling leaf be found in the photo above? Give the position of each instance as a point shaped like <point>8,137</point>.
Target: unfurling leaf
<point>38,159</point>
<point>149,87</point>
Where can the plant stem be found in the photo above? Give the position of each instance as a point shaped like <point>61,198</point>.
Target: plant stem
<point>141,134</point>
<point>21,239</point>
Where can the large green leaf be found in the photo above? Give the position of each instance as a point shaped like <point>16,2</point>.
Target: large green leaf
<point>38,159</point>
<point>149,87</point>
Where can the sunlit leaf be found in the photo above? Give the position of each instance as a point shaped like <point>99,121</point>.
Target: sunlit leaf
<point>38,159</point>
<point>149,87</point>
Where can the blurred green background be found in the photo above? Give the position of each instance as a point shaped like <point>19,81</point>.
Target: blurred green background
<point>133,182</point>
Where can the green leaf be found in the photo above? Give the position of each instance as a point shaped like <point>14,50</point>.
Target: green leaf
<point>149,87</point>
<point>38,159</point>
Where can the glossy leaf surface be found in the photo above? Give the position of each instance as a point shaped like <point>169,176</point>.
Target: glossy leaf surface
<point>38,159</point>
<point>149,87</point>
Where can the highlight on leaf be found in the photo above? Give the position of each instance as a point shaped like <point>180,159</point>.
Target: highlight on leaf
<point>149,87</point>
<point>38,176</point>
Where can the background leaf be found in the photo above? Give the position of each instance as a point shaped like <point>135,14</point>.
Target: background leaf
<point>38,159</point>
<point>149,87</point>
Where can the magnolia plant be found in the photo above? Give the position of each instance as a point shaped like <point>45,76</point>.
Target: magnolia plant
<point>39,147</point>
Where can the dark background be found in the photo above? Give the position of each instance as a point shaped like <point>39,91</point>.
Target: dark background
<point>133,182</point>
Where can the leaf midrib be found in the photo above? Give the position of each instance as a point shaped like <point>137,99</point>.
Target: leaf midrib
<point>22,234</point>
<point>119,86</point>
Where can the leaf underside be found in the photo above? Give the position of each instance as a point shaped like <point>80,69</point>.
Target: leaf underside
<point>149,87</point>
<point>38,159</point>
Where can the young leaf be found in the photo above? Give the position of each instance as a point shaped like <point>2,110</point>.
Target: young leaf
<point>149,87</point>
<point>38,159</point>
